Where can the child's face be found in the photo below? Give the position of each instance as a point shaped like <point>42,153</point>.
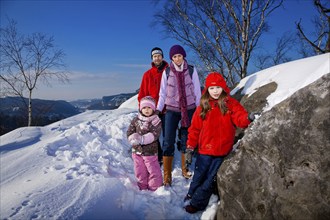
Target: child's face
<point>215,91</point>
<point>147,111</point>
<point>177,59</point>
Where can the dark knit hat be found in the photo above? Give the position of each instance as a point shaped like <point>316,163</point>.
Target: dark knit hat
<point>148,101</point>
<point>216,79</point>
<point>156,50</point>
<point>177,49</point>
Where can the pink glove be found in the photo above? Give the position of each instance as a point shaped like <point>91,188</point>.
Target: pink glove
<point>148,138</point>
<point>135,139</point>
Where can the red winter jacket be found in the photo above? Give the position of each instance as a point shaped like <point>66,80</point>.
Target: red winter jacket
<point>150,83</point>
<point>215,134</point>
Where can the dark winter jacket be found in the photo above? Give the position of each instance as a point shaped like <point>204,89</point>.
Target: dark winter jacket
<point>149,128</point>
<point>150,83</point>
<point>215,134</point>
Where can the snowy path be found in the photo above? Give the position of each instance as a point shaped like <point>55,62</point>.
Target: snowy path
<point>81,168</point>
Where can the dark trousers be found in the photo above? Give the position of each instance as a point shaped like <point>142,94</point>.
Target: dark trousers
<point>202,184</point>
<point>172,120</point>
<point>160,151</point>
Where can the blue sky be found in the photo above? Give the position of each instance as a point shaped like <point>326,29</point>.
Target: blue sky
<point>107,43</point>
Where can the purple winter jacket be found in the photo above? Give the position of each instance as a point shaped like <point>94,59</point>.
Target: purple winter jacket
<point>168,93</point>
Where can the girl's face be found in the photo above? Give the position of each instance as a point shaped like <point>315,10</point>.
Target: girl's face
<point>147,111</point>
<point>215,91</point>
<point>177,59</point>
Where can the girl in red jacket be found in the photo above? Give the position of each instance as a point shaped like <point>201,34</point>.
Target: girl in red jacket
<point>213,131</point>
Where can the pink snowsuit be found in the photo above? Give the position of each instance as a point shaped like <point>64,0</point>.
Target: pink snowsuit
<point>143,133</point>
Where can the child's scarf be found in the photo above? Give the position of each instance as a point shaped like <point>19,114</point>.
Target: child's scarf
<point>145,121</point>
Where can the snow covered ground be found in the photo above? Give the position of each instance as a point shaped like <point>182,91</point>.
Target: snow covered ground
<point>81,167</point>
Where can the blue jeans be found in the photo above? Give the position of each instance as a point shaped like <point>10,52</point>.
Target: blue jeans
<point>160,150</point>
<point>201,186</point>
<point>172,120</point>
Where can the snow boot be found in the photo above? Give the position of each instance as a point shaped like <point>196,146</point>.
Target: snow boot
<point>167,165</point>
<point>191,209</point>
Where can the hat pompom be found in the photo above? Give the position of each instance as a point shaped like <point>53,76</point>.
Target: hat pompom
<point>177,49</point>
<point>148,101</point>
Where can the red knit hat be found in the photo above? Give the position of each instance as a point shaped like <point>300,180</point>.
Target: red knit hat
<point>148,101</point>
<point>216,79</point>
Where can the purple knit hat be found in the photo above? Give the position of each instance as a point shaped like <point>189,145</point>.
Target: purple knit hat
<point>148,101</point>
<point>177,49</point>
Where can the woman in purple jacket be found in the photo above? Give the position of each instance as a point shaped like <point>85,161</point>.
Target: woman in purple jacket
<point>179,94</point>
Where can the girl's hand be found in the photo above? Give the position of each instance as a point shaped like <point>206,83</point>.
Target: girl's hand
<point>135,139</point>
<point>253,115</point>
<point>188,155</point>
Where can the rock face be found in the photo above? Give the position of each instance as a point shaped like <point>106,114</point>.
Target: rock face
<point>255,103</point>
<point>281,169</point>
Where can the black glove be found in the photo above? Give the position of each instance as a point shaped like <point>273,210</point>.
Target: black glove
<point>188,155</point>
<point>157,112</point>
<point>252,116</point>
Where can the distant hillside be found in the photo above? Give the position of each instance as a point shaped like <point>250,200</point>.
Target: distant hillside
<point>13,112</point>
<point>84,104</point>
<point>106,103</point>
<point>15,105</point>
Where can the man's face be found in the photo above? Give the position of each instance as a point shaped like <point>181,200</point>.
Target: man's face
<point>157,59</point>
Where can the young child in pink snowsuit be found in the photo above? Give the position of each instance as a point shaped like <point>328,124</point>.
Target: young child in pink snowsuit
<point>142,134</point>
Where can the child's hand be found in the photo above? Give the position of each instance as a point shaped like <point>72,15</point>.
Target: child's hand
<point>253,115</point>
<point>148,138</point>
<point>135,139</point>
<point>188,155</point>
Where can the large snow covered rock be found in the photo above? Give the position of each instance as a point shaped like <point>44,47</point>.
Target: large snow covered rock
<point>281,169</point>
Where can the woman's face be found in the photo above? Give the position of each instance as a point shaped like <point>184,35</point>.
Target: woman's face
<point>177,59</point>
<point>215,91</point>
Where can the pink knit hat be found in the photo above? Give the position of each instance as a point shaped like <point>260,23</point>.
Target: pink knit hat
<point>148,101</point>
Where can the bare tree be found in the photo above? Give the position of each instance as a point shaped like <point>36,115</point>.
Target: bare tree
<point>284,45</point>
<point>223,33</point>
<point>26,60</point>
<point>321,43</point>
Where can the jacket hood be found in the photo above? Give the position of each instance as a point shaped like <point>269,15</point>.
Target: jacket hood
<point>216,79</point>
